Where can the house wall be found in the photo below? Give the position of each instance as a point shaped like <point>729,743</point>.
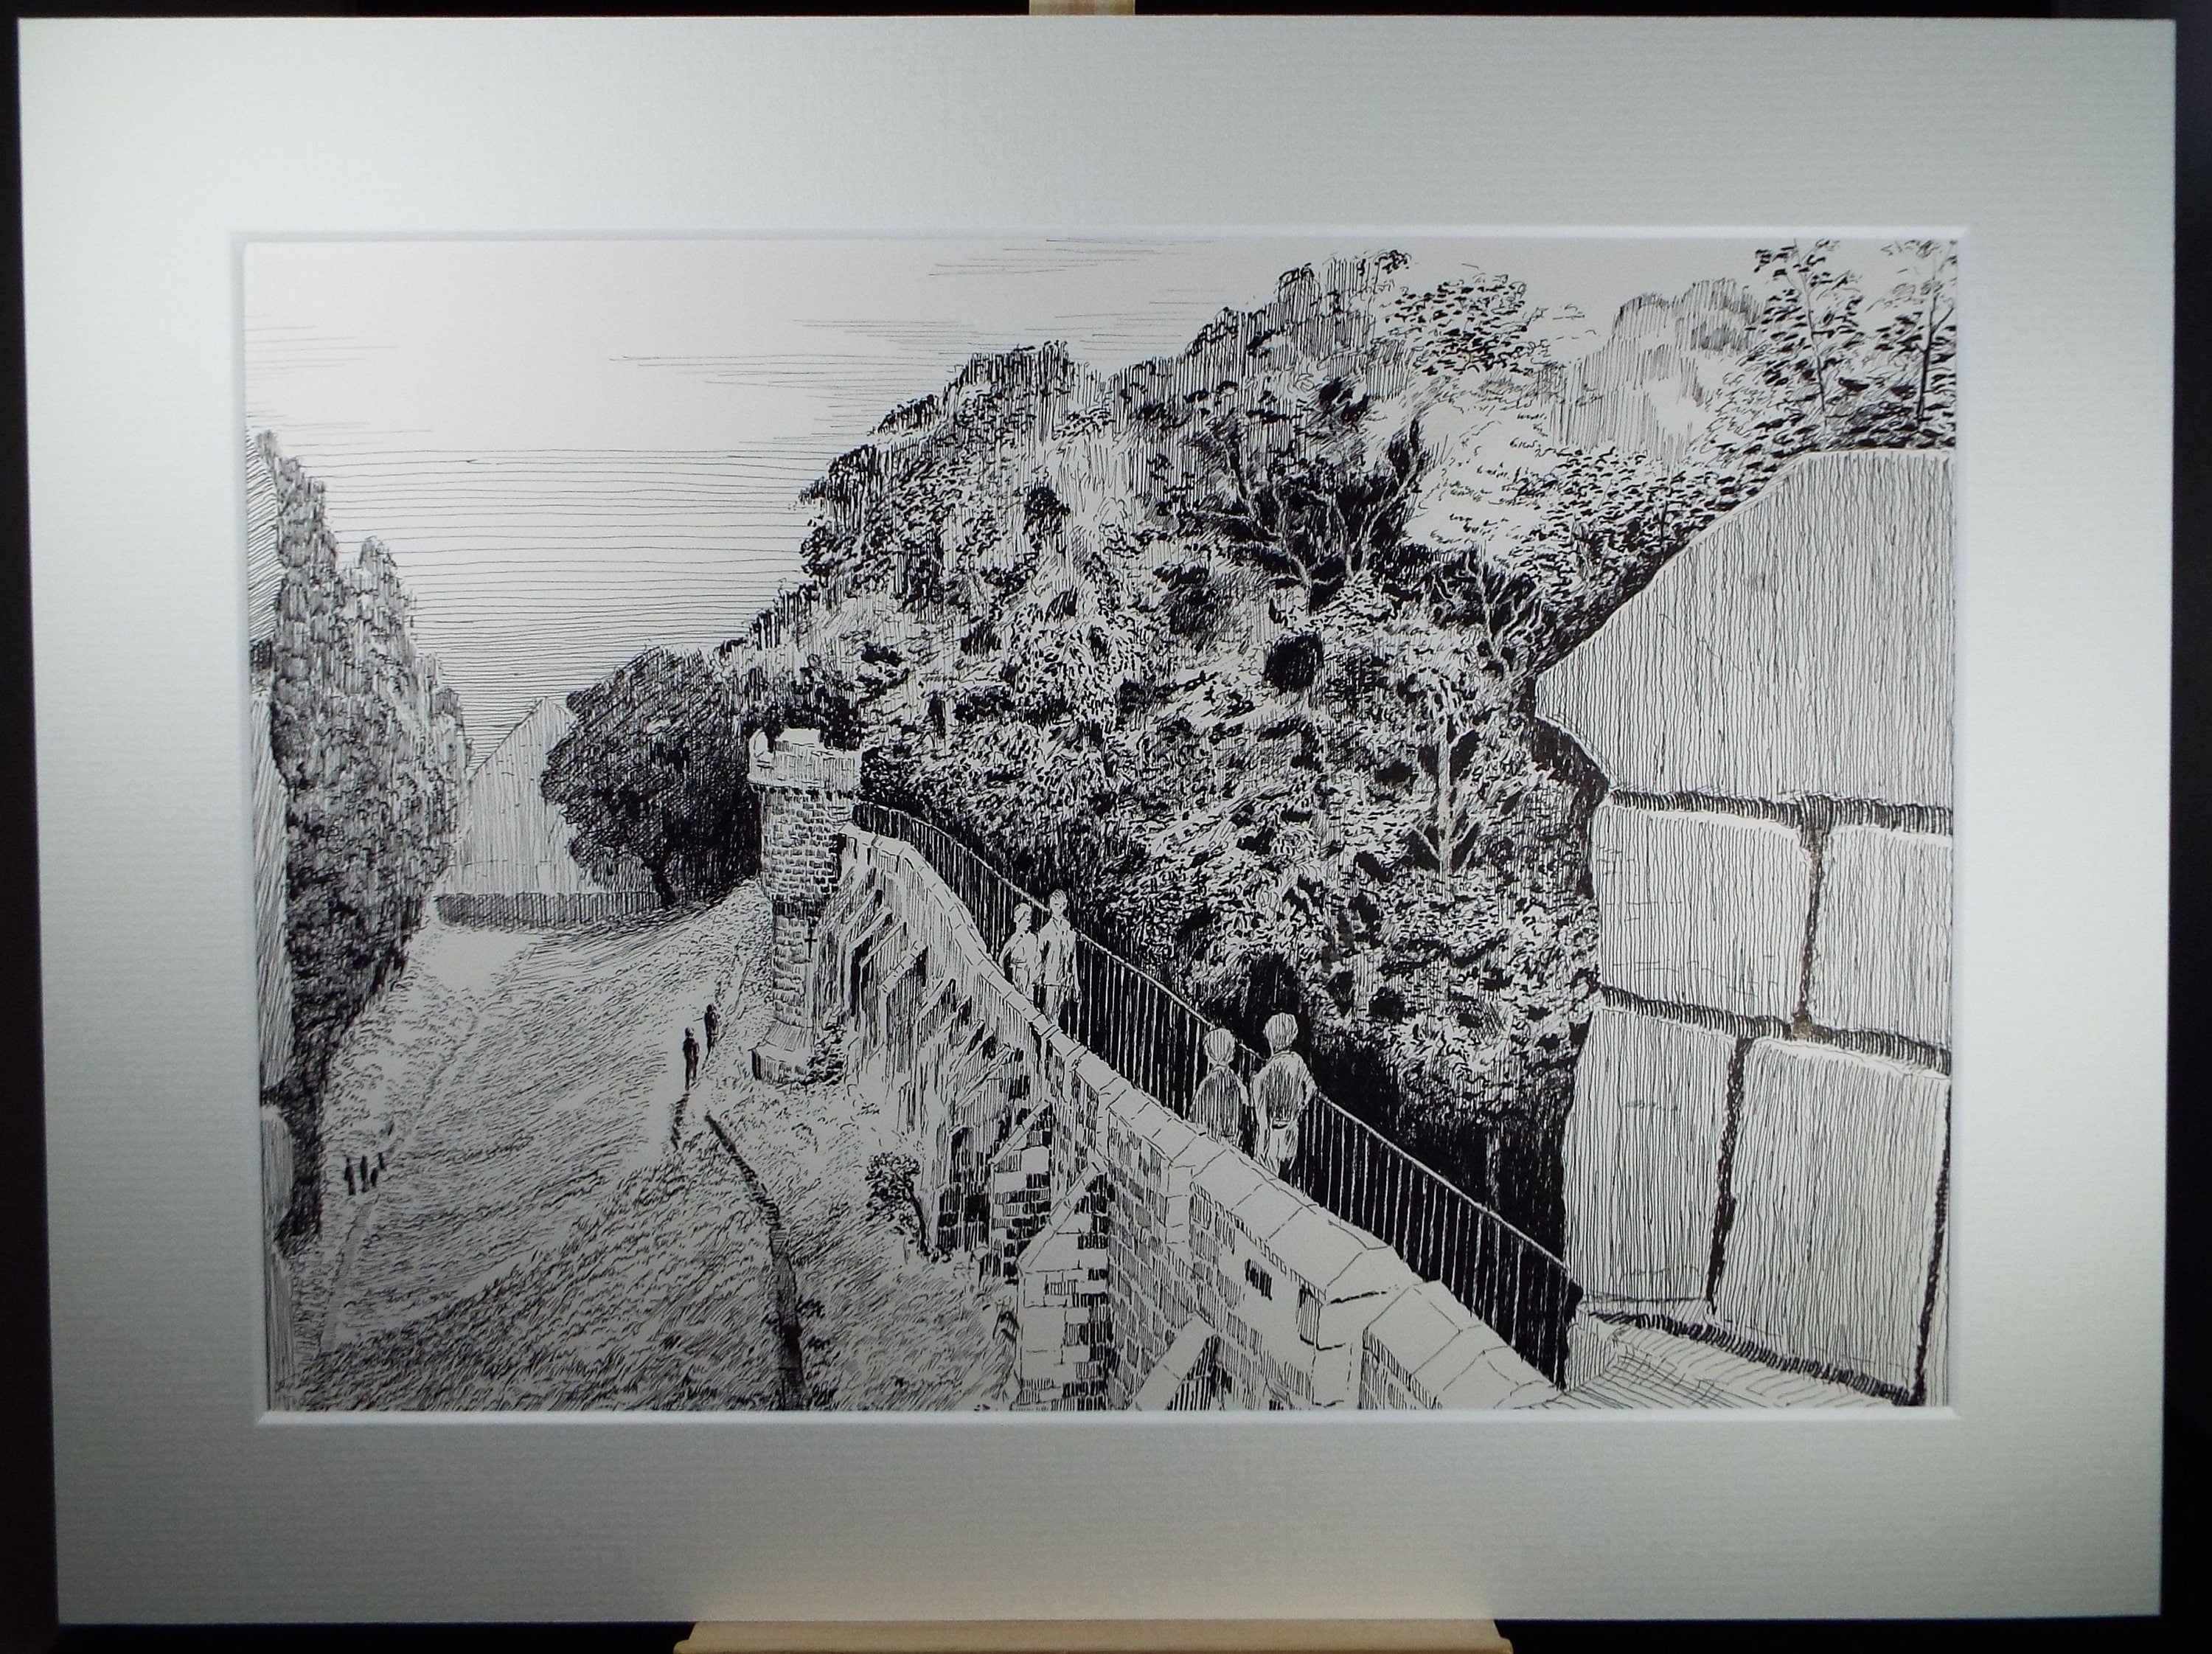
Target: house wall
<point>1758,1150</point>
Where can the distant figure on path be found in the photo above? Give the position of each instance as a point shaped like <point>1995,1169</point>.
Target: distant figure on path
<point>350,1189</point>
<point>690,1059</point>
<point>1022,956</point>
<point>1281,1092</point>
<point>1220,1103</point>
<point>1056,951</point>
<point>714,1021</point>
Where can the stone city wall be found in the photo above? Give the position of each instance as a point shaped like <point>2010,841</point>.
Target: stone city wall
<point>807,791</point>
<point>1148,1265</point>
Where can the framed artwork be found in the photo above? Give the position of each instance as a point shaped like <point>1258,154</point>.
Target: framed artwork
<point>1435,1003</point>
<point>821,836</point>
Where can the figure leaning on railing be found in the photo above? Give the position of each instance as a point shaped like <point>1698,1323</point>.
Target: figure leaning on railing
<point>1281,1092</point>
<point>1022,958</point>
<point>1056,960</point>
<point>1221,1108</point>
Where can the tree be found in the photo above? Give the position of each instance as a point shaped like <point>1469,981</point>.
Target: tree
<point>1912,402</point>
<point>1483,326</point>
<point>371,750</point>
<point>654,767</point>
<point>1310,511</point>
<point>1827,370</point>
<point>1806,344</point>
<point>815,698</point>
<point>1602,523</point>
<point>893,1197</point>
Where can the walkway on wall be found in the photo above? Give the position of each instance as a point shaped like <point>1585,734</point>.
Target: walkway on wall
<point>1154,1038</point>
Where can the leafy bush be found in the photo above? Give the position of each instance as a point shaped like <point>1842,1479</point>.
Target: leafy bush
<point>654,768</point>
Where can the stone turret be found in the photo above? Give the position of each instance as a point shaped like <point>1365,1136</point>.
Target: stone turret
<point>806,792</point>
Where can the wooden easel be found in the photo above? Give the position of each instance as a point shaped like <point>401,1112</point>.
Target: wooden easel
<point>1096,1637</point>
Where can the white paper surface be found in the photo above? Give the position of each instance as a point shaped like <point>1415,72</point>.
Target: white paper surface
<point>150,148</point>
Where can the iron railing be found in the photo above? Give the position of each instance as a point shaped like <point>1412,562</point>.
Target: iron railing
<point>1155,1038</point>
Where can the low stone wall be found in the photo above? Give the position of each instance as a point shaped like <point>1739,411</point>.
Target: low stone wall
<point>1757,1148</point>
<point>533,909</point>
<point>1148,1264</point>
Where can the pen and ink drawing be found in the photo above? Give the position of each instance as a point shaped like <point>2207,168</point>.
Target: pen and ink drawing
<point>1174,824</point>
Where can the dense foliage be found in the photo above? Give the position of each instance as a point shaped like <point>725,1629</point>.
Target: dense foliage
<point>371,751</point>
<point>654,767</point>
<point>1239,645</point>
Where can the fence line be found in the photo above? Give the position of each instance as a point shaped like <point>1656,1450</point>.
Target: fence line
<point>536,909</point>
<point>1155,1038</point>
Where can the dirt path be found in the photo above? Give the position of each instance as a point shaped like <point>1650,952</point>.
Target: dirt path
<point>536,1238</point>
<point>397,1054</point>
<point>884,1327</point>
<point>559,1223</point>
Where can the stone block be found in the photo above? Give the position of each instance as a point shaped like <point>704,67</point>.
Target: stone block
<point>1881,946</point>
<point>1800,647</point>
<point>1427,1349</point>
<point>1412,1327</point>
<point>1837,1158</point>
<point>1642,1155</point>
<point>1166,1386</point>
<point>1697,908</point>
<point>1478,1371</point>
<point>782,1056</point>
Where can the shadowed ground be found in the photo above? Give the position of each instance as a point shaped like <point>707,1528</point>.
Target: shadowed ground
<point>556,1225</point>
<point>534,1241</point>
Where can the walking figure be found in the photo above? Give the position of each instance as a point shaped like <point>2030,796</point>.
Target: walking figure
<point>1057,959</point>
<point>1281,1092</point>
<point>714,1021</point>
<point>349,1189</point>
<point>364,1173</point>
<point>1023,958</point>
<point>1220,1103</point>
<point>690,1059</point>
